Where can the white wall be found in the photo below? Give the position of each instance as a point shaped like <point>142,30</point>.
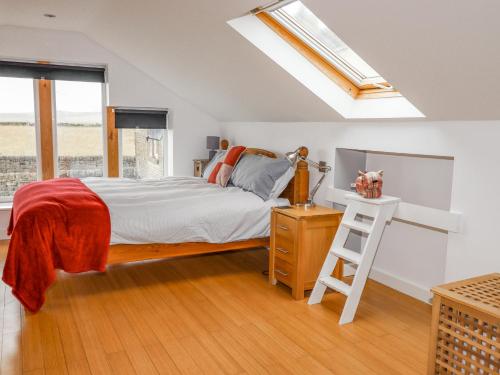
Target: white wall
<point>474,145</point>
<point>416,179</point>
<point>423,181</point>
<point>128,86</point>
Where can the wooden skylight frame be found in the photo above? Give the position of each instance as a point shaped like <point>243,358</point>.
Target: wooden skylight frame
<point>366,91</point>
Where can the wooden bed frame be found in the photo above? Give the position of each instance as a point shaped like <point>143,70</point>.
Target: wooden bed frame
<point>297,191</point>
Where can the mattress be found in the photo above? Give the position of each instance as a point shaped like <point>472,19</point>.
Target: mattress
<point>181,209</point>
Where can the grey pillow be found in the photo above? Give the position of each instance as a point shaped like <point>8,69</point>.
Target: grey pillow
<point>259,174</point>
<point>219,156</point>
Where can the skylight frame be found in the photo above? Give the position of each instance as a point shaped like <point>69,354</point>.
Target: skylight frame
<point>286,20</point>
<point>316,74</point>
<point>366,87</point>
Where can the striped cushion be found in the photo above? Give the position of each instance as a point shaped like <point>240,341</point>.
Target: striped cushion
<point>227,167</point>
<point>213,175</point>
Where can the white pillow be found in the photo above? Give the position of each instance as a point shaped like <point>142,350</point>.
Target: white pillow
<point>281,183</point>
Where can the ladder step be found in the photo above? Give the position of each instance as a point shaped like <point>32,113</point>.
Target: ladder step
<point>357,225</point>
<point>336,284</point>
<point>346,254</point>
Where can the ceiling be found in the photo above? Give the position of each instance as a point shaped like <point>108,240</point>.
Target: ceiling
<point>444,56</point>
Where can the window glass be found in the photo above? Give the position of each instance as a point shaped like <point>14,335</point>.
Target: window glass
<point>79,128</point>
<point>303,23</point>
<point>143,153</point>
<point>18,160</point>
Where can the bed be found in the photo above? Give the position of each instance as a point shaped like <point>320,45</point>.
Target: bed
<point>68,223</point>
<point>296,192</point>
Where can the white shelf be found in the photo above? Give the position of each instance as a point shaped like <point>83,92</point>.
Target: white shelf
<point>384,199</point>
<point>431,217</point>
<point>5,206</point>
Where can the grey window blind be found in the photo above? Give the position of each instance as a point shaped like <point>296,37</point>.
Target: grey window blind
<point>142,118</point>
<point>17,69</point>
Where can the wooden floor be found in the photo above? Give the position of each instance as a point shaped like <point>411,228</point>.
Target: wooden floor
<point>211,314</point>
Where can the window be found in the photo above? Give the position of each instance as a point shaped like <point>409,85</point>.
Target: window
<point>18,156</point>
<point>296,40</point>
<point>79,129</point>
<point>142,154</point>
<point>143,134</point>
<point>30,92</point>
<point>310,36</point>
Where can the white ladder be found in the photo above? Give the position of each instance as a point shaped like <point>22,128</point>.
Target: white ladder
<point>381,210</point>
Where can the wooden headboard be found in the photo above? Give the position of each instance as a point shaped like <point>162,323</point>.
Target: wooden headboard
<point>297,190</point>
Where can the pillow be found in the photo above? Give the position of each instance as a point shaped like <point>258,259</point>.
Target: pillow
<point>212,179</point>
<point>219,156</point>
<point>263,176</point>
<point>282,182</point>
<point>230,160</point>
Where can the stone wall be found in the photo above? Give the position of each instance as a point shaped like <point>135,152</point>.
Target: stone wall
<point>80,166</point>
<point>14,172</point>
<point>129,167</point>
<point>18,170</point>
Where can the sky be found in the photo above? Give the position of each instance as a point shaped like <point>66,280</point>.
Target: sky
<point>16,96</point>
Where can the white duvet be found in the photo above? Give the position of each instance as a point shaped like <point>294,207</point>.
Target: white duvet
<point>181,209</point>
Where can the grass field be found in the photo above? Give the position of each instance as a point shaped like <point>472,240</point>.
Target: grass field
<point>19,140</point>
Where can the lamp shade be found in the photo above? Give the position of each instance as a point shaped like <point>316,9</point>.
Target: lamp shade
<point>213,142</point>
<point>294,156</point>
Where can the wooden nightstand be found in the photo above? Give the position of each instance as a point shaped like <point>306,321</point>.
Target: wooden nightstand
<point>300,240</point>
<point>199,166</point>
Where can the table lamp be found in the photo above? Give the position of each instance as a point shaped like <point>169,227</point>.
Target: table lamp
<point>212,145</point>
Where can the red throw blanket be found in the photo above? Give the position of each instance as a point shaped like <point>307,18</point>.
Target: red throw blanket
<point>54,224</point>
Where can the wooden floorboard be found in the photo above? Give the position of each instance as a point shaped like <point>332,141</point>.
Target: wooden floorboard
<point>213,314</point>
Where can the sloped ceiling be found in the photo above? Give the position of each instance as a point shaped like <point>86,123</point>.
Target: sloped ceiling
<point>444,56</point>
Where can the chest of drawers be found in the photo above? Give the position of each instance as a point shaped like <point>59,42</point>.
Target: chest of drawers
<point>300,240</point>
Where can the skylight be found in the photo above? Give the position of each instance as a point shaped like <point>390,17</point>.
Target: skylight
<point>310,29</point>
<point>300,43</point>
<point>310,36</point>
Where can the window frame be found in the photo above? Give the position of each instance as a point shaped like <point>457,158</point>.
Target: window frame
<point>357,89</point>
<point>46,126</point>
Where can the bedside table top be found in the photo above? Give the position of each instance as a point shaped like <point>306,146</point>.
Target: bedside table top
<point>298,212</point>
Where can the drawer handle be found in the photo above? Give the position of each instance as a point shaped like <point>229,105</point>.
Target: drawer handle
<point>281,250</point>
<point>281,272</point>
<point>282,227</point>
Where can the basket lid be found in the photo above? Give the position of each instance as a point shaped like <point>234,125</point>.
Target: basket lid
<point>481,292</point>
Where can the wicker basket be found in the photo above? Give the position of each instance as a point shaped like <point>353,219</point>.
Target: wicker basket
<point>465,336</point>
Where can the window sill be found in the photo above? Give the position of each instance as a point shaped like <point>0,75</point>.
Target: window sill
<point>5,206</point>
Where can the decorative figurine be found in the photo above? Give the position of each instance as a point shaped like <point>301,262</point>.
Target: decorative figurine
<point>369,184</point>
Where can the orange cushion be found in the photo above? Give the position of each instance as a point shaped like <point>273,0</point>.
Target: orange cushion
<point>233,155</point>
